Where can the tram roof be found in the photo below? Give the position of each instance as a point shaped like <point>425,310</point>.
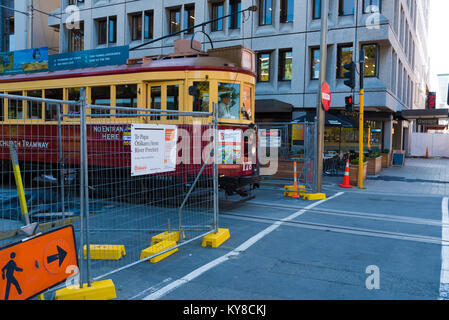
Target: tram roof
<point>161,63</point>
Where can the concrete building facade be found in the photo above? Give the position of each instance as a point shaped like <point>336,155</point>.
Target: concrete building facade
<point>285,34</point>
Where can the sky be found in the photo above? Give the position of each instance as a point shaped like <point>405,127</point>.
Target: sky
<point>438,40</point>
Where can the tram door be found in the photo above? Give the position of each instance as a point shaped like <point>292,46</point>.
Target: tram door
<point>168,95</point>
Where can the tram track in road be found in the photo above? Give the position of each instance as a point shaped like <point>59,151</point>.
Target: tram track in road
<point>242,216</point>
<point>353,214</point>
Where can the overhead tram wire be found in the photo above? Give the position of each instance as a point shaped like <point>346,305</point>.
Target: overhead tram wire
<point>251,8</point>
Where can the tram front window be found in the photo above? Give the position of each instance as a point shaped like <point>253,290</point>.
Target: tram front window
<point>51,109</point>
<point>201,99</point>
<point>173,100</point>
<point>228,100</point>
<point>15,107</point>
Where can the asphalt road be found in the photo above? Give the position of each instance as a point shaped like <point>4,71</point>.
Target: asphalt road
<point>289,249</point>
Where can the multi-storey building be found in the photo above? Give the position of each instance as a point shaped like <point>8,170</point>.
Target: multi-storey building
<point>15,21</point>
<point>285,34</point>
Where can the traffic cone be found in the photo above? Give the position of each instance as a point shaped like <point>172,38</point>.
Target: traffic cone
<point>296,193</point>
<point>427,153</point>
<point>346,183</point>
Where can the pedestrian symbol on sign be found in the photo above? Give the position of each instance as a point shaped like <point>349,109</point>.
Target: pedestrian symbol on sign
<point>9,270</point>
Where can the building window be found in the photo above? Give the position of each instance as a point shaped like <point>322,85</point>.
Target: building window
<point>285,64</point>
<point>235,20</point>
<point>76,38</point>
<point>102,31</point>
<point>189,17</point>
<point>316,9</point>
<point>112,30</point>
<point>370,60</point>
<point>315,64</point>
<point>287,7</point>
<point>136,27</point>
<point>371,6</point>
<point>263,66</point>
<point>344,56</point>
<point>148,29</point>
<point>346,7</point>
<point>217,12</point>
<point>174,20</point>
<point>265,12</point>
<point>8,34</point>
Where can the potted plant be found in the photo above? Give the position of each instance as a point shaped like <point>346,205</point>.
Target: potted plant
<point>374,163</point>
<point>354,171</point>
<point>386,158</point>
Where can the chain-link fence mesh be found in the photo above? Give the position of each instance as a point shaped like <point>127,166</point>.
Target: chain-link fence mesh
<point>76,168</point>
<point>285,144</point>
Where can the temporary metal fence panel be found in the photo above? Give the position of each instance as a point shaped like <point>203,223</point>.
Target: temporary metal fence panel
<point>284,144</point>
<point>75,168</point>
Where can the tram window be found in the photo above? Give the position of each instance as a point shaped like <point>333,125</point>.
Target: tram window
<point>172,100</point>
<point>229,100</point>
<point>156,94</point>
<point>51,109</point>
<point>126,96</point>
<point>74,95</point>
<point>34,108</point>
<point>201,99</point>
<point>15,107</point>
<point>100,96</point>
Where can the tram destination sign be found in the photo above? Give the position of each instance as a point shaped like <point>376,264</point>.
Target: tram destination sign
<point>89,58</point>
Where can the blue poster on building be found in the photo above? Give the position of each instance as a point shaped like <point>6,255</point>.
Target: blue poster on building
<point>89,58</point>
<point>24,61</point>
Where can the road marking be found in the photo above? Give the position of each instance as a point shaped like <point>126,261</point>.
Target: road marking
<point>244,246</point>
<point>444,278</point>
<point>151,289</point>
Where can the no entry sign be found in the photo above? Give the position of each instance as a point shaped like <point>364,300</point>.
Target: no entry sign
<point>326,96</point>
<point>32,266</point>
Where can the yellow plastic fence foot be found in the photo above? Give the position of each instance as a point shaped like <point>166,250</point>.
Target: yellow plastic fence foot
<point>301,189</point>
<point>159,247</point>
<point>314,196</point>
<point>170,236</point>
<point>105,252</point>
<point>215,240</point>
<point>100,290</point>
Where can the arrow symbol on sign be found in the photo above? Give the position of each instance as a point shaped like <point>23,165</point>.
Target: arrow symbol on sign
<point>59,256</point>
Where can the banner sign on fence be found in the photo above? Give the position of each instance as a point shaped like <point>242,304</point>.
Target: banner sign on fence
<point>229,147</point>
<point>89,58</point>
<point>24,61</point>
<point>32,266</point>
<point>153,149</point>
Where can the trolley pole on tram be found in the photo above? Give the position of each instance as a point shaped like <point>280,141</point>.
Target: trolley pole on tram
<point>319,130</point>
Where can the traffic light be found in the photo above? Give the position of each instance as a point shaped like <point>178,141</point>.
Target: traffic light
<point>349,103</point>
<point>350,82</point>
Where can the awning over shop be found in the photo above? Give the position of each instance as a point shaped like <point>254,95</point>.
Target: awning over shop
<point>273,106</point>
<point>425,114</point>
<point>332,120</point>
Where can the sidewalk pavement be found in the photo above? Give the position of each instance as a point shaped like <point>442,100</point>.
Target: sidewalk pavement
<point>418,177</point>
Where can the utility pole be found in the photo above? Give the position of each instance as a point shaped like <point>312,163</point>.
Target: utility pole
<point>319,130</point>
<point>30,24</point>
<point>361,116</point>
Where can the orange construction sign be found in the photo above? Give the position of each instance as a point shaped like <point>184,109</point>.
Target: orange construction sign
<point>30,267</point>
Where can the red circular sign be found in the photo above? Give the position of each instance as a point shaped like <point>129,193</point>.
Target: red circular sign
<point>326,96</point>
